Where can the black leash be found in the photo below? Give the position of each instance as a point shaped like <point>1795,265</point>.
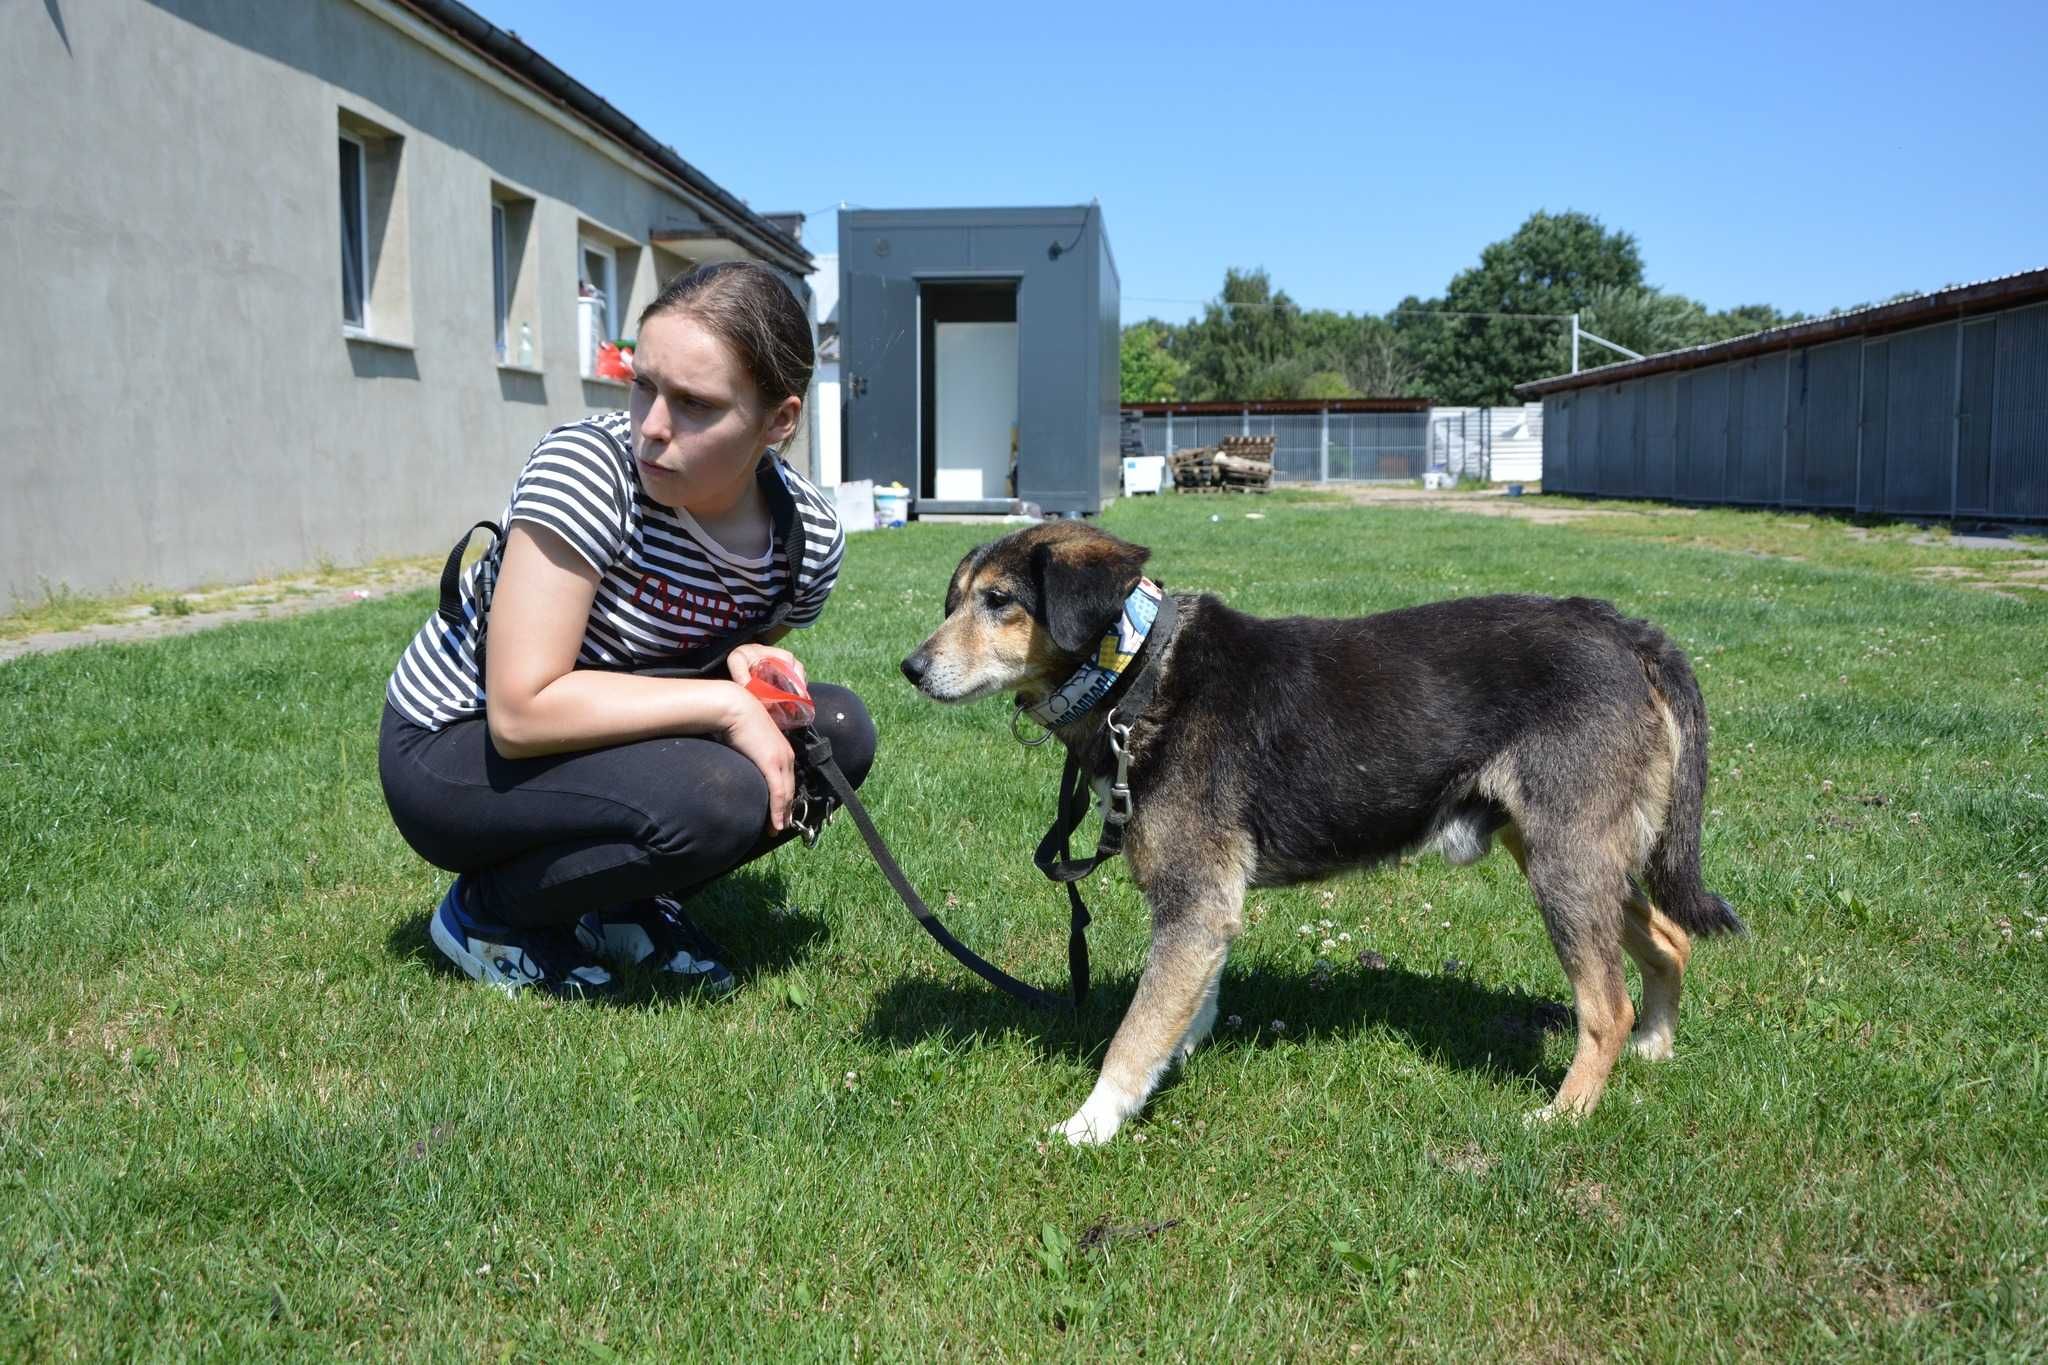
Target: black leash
<point>814,755</point>
<point>1072,808</point>
<point>814,752</point>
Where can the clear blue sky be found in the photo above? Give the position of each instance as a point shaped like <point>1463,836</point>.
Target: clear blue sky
<point>1806,156</point>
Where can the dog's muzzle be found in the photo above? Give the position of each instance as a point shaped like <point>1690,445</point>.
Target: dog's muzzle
<point>916,666</point>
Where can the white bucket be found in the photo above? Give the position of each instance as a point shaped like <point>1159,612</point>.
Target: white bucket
<point>892,504</point>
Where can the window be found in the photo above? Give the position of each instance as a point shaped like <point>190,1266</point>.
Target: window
<point>501,297</point>
<point>597,299</point>
<point>355,267</point>
<point>376,265</point>
<point>515,320</point>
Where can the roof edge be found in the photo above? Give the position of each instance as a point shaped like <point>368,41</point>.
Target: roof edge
<point>509,53</point>
<point>1964,300</point>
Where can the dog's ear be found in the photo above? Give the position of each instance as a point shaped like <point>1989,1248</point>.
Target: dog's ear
<point>1082,583</point>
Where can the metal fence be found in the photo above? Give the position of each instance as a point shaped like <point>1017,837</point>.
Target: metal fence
<point>1948,421</point>
<point>1308,447</point>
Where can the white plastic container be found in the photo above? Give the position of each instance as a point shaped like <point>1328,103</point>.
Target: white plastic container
<point>892,504</point>
<point>1143,474</point>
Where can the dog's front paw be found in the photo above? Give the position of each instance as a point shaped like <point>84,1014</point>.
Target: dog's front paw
<point>1092,1125</point>
<point>1080,1130</point>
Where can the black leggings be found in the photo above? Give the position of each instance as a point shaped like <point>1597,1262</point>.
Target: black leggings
<point>544,840</point>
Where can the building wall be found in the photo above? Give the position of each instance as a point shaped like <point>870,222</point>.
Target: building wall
<point>178,402</point>
<point>1948,420</point>
<point>828,466</point>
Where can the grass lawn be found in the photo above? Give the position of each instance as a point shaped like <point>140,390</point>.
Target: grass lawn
<point>243,1110</point>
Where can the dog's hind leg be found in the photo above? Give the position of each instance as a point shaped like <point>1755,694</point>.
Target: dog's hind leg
<point>1196,912</point>
<point>1660,949</point>
<point>1579,889</point>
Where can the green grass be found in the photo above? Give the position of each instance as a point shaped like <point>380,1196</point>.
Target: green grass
<point>244,1113</point>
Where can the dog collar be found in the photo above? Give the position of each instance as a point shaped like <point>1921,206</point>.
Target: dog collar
<point>1120,644</point>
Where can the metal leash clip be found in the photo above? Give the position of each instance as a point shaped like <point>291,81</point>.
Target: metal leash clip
<point>1017,718</point>
<point>800,816</point>
<point>1119,802</point>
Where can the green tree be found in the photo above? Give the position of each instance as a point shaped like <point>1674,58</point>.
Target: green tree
<point>1643,319</point>
<point>1551,266</point>
<point>1151,372</point>
<point>1254,342</point>
<point>1744,319</point>
<point>1238,347</point>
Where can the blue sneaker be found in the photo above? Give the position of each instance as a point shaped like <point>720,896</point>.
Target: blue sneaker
<point>656,933</point>
<point>513,959</point>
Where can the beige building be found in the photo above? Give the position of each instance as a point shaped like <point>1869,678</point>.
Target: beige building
<point>304,281</point>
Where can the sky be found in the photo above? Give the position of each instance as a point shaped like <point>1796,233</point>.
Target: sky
<point>1807,156</point>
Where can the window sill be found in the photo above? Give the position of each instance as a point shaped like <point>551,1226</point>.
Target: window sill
<point>368,339</point>
<point>607,383</point>
<point>511,368</point>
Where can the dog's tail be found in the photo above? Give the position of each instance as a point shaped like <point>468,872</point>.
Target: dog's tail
<point>1673,869</point>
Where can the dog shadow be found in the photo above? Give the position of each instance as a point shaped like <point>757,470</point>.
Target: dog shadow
<point>1449,1018</point>
<point>746,912</point>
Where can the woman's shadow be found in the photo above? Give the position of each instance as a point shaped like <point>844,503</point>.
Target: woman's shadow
<point>1449,1017</point>
<point>746,912</point>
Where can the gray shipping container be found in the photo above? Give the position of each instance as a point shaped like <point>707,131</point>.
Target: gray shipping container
<point>1048,273</point>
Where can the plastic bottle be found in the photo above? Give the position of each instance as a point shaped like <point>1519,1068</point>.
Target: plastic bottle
<point>787,700</point>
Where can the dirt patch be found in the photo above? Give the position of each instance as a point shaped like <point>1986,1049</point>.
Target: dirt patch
<point>258,602</point>
<point>1493,502</point>
<point>1467,1160</point>
<point>1590,1200</point>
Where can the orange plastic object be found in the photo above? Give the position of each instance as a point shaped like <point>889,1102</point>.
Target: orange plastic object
<point>786,699</point>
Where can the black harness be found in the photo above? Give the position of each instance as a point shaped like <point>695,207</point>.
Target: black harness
<point>824,787</point>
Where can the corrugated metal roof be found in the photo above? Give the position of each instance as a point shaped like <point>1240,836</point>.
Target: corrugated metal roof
<point>1958,301</point>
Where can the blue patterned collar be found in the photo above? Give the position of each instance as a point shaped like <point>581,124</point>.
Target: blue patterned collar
<point>1121,642</point>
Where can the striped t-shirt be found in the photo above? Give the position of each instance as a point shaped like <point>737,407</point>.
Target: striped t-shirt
<point>665,586</point>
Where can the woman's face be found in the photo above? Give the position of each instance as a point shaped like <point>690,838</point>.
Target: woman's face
<point>699,425</point>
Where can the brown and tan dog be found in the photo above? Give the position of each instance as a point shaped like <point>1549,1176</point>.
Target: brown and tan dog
<point>1277,751</point>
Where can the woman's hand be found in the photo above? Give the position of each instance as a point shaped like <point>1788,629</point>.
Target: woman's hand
<point>751,731</point>
<point>740,663</point>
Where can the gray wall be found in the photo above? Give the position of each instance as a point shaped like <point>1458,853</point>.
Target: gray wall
<point>178,403</point>
<point>1949,421</point>
<point>1067,335</point>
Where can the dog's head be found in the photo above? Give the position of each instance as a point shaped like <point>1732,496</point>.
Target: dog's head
<point>1024,611</point>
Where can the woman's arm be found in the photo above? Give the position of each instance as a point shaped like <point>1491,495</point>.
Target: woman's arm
<point>538,702</point>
